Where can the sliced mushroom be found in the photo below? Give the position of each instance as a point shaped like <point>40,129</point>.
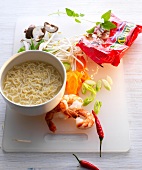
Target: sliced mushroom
<point>29,32</point>
<point>26,44</point>
<point>50,27</point>
<point>38,33</point>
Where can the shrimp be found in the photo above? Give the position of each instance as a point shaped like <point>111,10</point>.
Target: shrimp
<point>85,119</point>
<point>70,107</point>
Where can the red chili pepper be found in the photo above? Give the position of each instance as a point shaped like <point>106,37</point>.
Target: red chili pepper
<point>99,129</point>
<point>86,164</point>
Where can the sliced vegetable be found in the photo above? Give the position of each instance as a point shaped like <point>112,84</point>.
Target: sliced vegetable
<point>90,82</point>
<point>67,66</point>
<point>106,84</point>
<point>84,76</point>
<point>88,100</point>
<point>98,85</point>
<point>79,67</point>
<point>83,89</point>
<point>74,81</point>
<point>97,106</point>
<point>109,79</point>
<point>89,88</point>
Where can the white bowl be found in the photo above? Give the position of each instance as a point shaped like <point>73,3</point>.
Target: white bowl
<point>28,56</point>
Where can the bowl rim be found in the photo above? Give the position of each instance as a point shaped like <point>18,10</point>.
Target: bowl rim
<point>17,55</point>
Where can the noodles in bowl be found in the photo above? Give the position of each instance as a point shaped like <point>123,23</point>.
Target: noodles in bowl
<point>32,83</point>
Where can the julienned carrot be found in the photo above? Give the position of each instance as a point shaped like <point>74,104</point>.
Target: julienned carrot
<point>75,80</point>
<point>80,67</point>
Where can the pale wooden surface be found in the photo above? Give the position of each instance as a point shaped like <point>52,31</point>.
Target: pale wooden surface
<point>129,10</point>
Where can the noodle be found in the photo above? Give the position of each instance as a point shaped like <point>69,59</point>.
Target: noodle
<point>32,83</point>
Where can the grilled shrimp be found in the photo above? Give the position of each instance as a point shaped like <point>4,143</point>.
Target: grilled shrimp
<point>70,107</point>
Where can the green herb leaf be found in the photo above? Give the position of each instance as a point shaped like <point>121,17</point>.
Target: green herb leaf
<point>106,16</point>
<point>75,14</point>
<point>97,23</point>
<point>38,44</point>
<point>82,15</point>
<point>90,31</point>
<point>21,49</point>
<point>108,25</point>
<point>77,20</point>
<point>32,46</point>
<point>69,12</point>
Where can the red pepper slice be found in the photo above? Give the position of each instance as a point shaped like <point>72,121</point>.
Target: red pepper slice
<point>78,65</point>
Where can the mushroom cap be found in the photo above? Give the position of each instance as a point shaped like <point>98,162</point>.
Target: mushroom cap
<point>50,27</point>
<point>29,32</point>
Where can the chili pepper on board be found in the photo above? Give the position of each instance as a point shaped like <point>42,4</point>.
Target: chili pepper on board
<point>99,129</point>
<point>86,164</point>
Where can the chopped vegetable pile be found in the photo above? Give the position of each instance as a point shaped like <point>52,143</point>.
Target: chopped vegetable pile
<point>48,38</point>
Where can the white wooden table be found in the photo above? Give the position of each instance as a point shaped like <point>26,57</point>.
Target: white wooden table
<point>129,10</point>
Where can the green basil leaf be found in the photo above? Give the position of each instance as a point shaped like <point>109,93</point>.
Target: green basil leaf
<point>97,23</point>
<point>108,25</point>
<point>91,31</point>
<point>75,14</point>
<point>106,16</point>
<point>77,20</point>
<point>69,12</point>
<point>82,15</point>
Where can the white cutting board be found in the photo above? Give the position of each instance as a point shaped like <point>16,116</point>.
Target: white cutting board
<point>33,134</point>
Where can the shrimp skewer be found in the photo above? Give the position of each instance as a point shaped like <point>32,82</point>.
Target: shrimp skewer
<point>70,107</point>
